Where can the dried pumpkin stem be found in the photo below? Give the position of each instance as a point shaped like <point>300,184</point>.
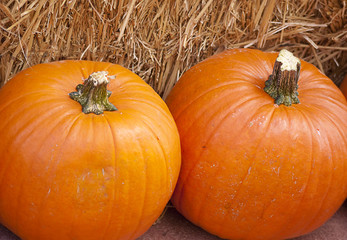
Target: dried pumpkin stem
<point>282,84</point>
<point>93,94</point>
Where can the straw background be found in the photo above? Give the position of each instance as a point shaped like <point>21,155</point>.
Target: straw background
<point>160,39</point>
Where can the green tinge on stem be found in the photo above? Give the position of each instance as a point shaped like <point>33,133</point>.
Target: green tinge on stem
<point>93,94</point>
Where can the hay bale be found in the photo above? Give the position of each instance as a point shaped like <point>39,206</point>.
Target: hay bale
<point>159,40</point>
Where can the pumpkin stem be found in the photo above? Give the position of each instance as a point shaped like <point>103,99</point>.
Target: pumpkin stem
<point>282,84</point>
<point>93,94</point>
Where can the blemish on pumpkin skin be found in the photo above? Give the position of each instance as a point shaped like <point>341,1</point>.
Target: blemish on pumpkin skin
<point>277,170</point>
<point>249,170</point>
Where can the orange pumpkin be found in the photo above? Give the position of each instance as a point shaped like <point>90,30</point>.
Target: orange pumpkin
<point>343,86</point>
<point>65,174</point>
<point>254,167</point>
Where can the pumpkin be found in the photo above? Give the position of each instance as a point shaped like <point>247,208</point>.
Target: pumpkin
<point>263,146</point>
<point>343,86</point>
<point>106,172</point>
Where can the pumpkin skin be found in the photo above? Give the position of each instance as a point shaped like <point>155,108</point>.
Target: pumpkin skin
<point>69,175</point>
<point>343,86</point>
<point>252,169</point>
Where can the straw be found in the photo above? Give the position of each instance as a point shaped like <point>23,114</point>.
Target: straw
<point>160,40</point>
